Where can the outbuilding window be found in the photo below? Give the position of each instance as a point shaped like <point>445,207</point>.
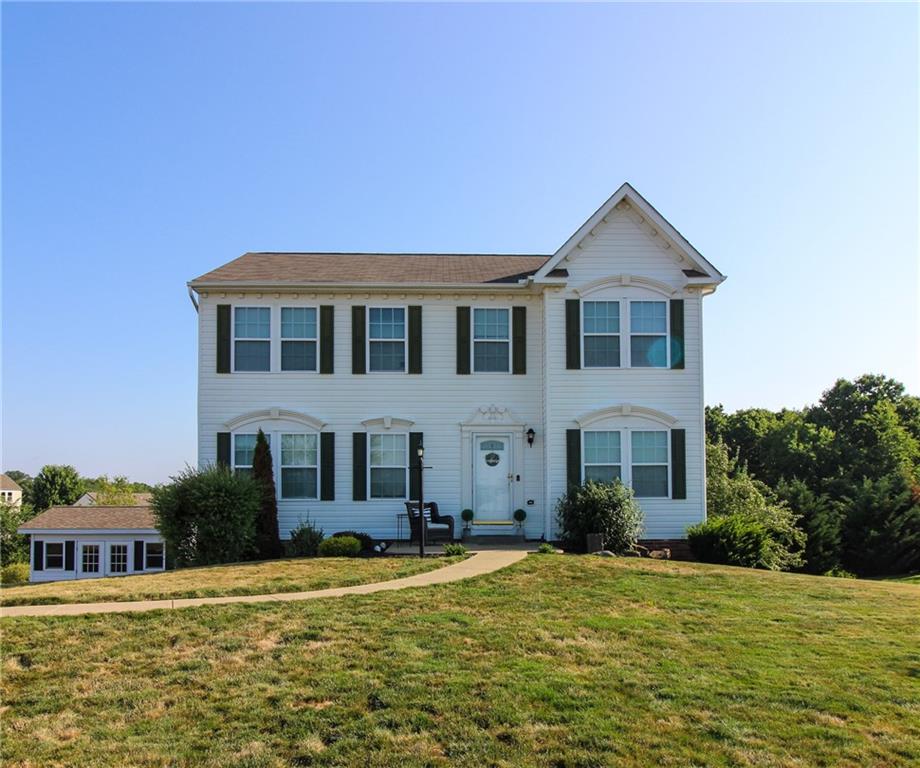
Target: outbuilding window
<point>153,555</point>
<point>118,558</point>
<point>90,558</point>
<point>54,555</point>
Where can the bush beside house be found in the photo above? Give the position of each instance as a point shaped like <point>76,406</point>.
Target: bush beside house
<point>607,509</point>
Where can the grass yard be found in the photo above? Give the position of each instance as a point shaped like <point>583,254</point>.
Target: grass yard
<point>294,575</point>
<point>556,661</point>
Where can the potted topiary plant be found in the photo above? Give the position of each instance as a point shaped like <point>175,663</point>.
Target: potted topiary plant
<point>520,515</point>
<point>467,517</point>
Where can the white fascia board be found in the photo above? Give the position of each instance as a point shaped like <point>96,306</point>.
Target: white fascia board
<point>88,531</point>
<point>516,286</point>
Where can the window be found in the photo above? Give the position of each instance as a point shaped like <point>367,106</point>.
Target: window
<point>252,338</point>
<point>118,558</point>
<point>244,447</point>
<point>603,463</point>
<point>298,338</point>
<point>648,334</point>
<point>650,464</point>
<point>388,466</point>
<point>387,338</point>
<point>601,334</point>
<point>54,554</point>
<point>491,341</point>
<point>299,455</point>
<point>153,555</point>
<point>90,558</point>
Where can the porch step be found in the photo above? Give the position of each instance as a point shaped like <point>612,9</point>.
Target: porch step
<point>500,539</point>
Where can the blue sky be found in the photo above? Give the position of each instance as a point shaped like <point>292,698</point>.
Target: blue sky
<point>143,145</point>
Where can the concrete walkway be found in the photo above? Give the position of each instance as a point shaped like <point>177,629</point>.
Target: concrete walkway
<point>479,563</point>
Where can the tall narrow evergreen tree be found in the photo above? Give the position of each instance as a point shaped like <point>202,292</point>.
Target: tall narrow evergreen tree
<point>268,541</point>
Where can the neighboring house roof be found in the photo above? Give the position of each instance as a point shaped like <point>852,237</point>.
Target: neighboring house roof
<point>372,268</point>
<point>92,519</point>
<point>8,484</point>
<point>89,498</point>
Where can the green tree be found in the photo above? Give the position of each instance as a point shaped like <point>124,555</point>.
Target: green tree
<point>268,541</point>
<point>114,493</point>
<point>56,485</point>
<point>821,518</point>
<point>14,547</point>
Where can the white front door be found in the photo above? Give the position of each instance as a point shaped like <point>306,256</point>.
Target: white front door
<point>492,476</point>
<point>90,560</point>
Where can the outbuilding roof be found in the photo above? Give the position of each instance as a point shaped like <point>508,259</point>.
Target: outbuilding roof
<point>9,484</point>
<point>92,519</point>
<point>372,268</point>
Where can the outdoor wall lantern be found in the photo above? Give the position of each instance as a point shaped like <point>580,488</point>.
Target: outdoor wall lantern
<point>530,436</point>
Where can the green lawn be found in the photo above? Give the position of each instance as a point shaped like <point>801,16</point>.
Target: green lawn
<point>556,661</point>
<point>294,575</point>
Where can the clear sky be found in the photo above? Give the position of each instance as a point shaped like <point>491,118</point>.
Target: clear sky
<point>143,145</point>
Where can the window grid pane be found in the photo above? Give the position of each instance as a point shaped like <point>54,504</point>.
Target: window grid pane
<point>298,355</point>
<point>649,351</point>
<point>388,451</point>
<point>298,450</point>
<point>602,351</point>
<point>252,356</point>
<point>387,323</point>
<point>388,483</point>
<point>490,323</point>
<point>649,447</point>
<point>90,558</point>
<point>252,322</point>
<point>491,356</point>
<point>387,356</point>
<point>298,483</point>
<point>602,316</point>
<point>118,558</point>
<point>602,447</point>
<point>298,322</point>
<point>650,481</point>
<point>648,317</point>
<point>601,473</point>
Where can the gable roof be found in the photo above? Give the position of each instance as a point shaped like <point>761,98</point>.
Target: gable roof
<point>140,499</point>
<point>92,518</point>
<point>296,269</point>
<point>9,484</point>
<point>708,274</point>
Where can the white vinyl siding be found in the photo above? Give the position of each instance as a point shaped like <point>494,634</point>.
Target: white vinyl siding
<point>252,338</point>
<point>388,466</point>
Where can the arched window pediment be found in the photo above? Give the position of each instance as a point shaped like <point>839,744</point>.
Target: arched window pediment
<point>275,414</point>
<point>386,423</point>
<point>625,410</point>
<point>627,281</point>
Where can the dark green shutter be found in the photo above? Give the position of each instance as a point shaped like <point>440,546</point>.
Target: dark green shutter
<point>573,456</point>
<point>326,339</point>
<point>223,338</point>
<point>572,333</point>
<point>69,558</point>
<point>678,463</point>
<point>415,440</point>
<point>519,339</point>
<point>327,466</point>
<point>138,555</point>
<point>358,339</point>
<point>223,449</point>
<point>677,333</point>
<point>38,555</point>
<point>415,339</point>
<point>463,340</point>
<point>359,466</point>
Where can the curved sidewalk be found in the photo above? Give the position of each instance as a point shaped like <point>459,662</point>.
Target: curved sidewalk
<point>477,564</point>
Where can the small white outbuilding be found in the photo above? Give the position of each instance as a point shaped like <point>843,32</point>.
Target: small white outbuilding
<point>92,542</point>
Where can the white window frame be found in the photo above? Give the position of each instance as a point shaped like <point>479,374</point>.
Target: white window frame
<point>585,464</point>
<point>666,334</point>
<point>279,466</point>
<point>234,338</point>
<point>370,497</point>
<point>509,341</point>
<point>147,556</point>
<point>282,339</point>
<point>63,547</point>
<point>233,464</point>
<point>626,459</point>
<point>619,334</point>
<point>111,558</point>
<point>368,339</point>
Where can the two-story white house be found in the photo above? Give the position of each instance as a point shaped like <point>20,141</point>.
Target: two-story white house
<point>518,374</point>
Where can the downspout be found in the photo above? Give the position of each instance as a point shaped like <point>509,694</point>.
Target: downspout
<point>191,295</point>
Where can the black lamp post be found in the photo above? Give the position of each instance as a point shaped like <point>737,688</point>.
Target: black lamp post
<point>421,499</point>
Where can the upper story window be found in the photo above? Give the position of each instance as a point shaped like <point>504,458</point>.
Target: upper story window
<point>299,460</point>
<point>642,463</point>
<point>650,463</point>
<point>389,465</point>
<point>491,341</point>
<point>603,462</point>
<point>648,334</point>
<point>252,338</point>
<point>298,338</point>
<point>244,448</point>
<point>601,334</point>
<point>387,338</point>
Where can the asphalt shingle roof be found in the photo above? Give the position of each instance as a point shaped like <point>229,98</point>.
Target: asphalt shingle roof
<point>93,518</point>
